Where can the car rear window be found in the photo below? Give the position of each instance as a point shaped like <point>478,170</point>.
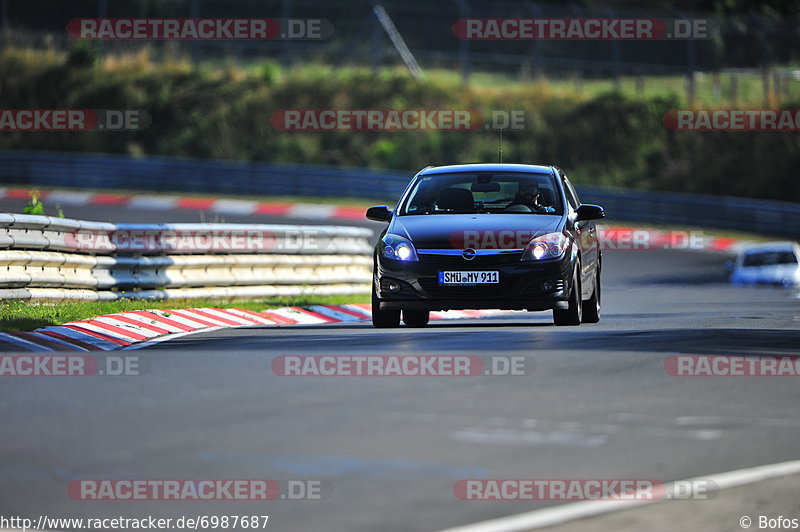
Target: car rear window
<point>768,258</point>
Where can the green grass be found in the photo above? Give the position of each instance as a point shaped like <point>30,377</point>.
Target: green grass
<point>27,316</point>
<point>748,93</point>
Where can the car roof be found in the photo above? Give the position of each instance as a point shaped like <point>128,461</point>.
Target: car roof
<point>488,167</point>
<point>771,246</point>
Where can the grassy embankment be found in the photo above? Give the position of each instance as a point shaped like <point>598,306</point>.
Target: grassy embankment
<point>223,111</point>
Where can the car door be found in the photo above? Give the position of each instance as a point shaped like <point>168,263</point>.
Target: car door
<point>586,235</point>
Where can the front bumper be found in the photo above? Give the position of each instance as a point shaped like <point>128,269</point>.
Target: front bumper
<point>523,285</point>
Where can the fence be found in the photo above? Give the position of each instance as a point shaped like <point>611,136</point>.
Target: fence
<point>82,170</point>
<point>44,257</point>
<point>736,40</point>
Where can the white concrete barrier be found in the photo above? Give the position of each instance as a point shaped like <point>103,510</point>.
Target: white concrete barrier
<point>42,257</point>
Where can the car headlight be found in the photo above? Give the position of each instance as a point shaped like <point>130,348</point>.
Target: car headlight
<point>398,248</point>
<point>546,247</point>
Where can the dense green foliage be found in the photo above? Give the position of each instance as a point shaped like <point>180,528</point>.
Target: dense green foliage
<point>603,138</point>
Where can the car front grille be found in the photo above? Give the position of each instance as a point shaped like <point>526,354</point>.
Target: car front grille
<point>515,289</point>
<point>479,262</point>
<point>501,289</point>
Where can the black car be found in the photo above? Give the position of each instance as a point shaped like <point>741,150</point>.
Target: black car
<point>487,236</point>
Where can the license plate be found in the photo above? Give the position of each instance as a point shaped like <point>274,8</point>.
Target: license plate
<point>469,278</point>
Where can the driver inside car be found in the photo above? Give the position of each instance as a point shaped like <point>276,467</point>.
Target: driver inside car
<point>528,194</point>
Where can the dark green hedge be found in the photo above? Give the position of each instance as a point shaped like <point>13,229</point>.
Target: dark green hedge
<point>610,140</point>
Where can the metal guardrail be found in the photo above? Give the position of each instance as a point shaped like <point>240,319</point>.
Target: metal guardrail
<point>43,257</point>
<point>775,218</point>
<point>83,170</point>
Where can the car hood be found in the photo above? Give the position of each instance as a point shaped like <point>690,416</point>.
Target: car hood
<point>479,231</point>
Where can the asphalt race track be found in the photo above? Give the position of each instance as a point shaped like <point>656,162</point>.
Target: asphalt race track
<point>598,403</point>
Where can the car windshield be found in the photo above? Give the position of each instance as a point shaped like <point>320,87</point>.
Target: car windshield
<point>484,192</point>
<point>768,258</point>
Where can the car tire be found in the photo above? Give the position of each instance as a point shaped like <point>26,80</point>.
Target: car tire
<point>416,318</point>
<point>591,307</point>
<point>571,315</point>
<point>383,319</point>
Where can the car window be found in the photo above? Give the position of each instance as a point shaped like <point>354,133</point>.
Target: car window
<point>481,192</point>
<point>768,258</point>
<point>572,196</point>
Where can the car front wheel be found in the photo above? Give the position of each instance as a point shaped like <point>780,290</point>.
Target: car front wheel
<point>573,314</point>
<point>591,307</point>
<point>383,319</point>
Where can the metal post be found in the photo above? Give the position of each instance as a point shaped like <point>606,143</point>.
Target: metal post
<point>536,44</point>
<point>776,86</point>
<point>524,71</point>
<point>616,54</point>
<point>286,13</point>
<point>787,81</point>
<point>691,64</point>
<point>715,87</point>
<point>102,12</point>
<point>194,12</point>
<point>463,44</point>
<point>764,59</point>
<point>5,25</point>
<point>578,76</point>
<point>376,42</point>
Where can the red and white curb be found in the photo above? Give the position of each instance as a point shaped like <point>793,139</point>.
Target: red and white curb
<point>316,211</point>
<point>141,328</point>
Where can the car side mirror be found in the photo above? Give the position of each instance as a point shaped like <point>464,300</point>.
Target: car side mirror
<point>589,212</point>
<point>381,213</point>
<point>730,266</point>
